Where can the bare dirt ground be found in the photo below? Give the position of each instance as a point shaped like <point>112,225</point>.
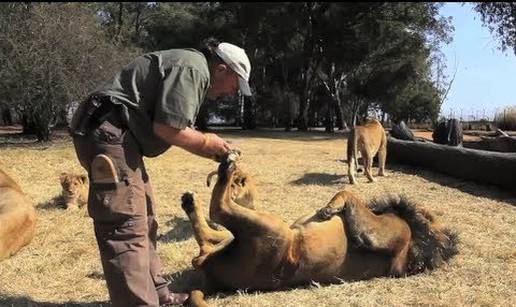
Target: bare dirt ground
<point>297,173</point>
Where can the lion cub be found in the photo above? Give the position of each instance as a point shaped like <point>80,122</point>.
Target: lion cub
<point>369,140</point>
<point>75,190</point>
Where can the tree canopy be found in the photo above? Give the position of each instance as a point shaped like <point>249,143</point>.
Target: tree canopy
<point>500,19</point>
<point>314,63</point>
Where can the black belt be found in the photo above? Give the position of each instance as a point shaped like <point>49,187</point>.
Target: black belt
<point>97,110</point>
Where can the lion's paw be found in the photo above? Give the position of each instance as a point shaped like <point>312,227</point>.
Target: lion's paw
<point>188,201</point>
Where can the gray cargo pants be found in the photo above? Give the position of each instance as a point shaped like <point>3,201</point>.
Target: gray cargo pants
<point>123,215</point>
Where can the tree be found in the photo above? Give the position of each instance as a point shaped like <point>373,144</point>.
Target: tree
<point>375,51</point>
<point>364,54</point>
<point>50,55</point>
<point>500,19</point>
<point>126,22</point>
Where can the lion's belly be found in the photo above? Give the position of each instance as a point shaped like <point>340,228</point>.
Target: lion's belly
<point>246,264</point>
<point>322,251</point>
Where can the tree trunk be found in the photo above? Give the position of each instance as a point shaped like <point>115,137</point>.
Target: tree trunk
<point>120,20</point>
<point>302,119</point>
<point>43,127</point>
<point>340,117</point>
<point>287,116</point>
<point>329,120</point>
<point>29,127</point>
<point>477,165</point>
<point>249,116</point>
<point>7,118</point>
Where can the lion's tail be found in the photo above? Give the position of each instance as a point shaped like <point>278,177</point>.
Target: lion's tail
<point>432,245</point>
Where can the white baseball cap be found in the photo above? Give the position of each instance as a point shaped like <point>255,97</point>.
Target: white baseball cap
<point>237,59</point>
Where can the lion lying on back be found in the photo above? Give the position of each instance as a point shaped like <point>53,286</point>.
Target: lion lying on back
<point>75,190</point>
<point>17,217</point>
<point>348,239</point>
<point>369,140</point>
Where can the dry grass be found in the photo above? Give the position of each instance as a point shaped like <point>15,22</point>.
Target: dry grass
<point>296,173</point>
<point>506,119</point>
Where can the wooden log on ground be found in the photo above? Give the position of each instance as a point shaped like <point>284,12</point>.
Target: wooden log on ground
<point>501,132</point>
<point>477,165</point>
<point>500,144</point>
<point>455,135</point>
<point>448,133</point>
<point>402,132</point>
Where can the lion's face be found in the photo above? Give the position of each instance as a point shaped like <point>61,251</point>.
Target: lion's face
<point>73,184</point>
<point>243,190</point>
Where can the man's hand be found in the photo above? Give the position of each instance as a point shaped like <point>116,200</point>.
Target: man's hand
<point>207,145</point>
<point>214,145</point>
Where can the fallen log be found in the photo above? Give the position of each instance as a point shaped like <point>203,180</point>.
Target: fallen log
<point>448,133</point>
<point>501,132</point>
<point>500,144</point>
<point>402,132</point>
<point>470,164</point>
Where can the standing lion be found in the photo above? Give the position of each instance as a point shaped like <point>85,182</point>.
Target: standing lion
<point>17,217</point>
<point>369,139</point>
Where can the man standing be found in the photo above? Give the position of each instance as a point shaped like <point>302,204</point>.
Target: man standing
<point>150,105</point>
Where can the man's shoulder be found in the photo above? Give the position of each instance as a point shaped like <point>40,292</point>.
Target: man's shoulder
<point>183,52</point>
<point>182,57</point>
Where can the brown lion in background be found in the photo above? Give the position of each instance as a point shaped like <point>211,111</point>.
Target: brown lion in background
<point>368,140</point>
<point>17,217</point>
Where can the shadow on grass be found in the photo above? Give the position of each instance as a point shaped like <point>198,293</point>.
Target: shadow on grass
<point>25,301</point>
<point>466,186</point>
<point>280,134</point>
<point>320,179</point>
<point>13,137</point>
<point>57,202</point>
<point>190,279</point>
<point>181,230</point>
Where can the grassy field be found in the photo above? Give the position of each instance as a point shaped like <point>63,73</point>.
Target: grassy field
<point>296,173</point>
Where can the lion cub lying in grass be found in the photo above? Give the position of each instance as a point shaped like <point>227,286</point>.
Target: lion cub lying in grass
<point>17,217</point>
<point>75,190</point>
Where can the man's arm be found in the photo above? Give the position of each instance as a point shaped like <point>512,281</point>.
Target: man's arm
<point>205,145</point>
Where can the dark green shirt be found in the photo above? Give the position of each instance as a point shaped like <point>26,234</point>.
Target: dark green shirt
<point>164,86</point>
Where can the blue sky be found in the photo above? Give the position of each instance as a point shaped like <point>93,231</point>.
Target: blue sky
<point>486,77</point>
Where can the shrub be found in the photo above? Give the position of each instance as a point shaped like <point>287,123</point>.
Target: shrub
<point>50,55</point>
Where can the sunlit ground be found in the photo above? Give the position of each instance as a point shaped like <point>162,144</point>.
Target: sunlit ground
<point>296,174</point>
